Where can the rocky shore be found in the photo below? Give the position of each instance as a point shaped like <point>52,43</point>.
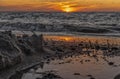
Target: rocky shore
<point>26,54</point>
<point>17,52</point>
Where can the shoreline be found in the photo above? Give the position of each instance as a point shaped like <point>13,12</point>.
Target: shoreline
<point>37,58</point>
<point>67,33</point>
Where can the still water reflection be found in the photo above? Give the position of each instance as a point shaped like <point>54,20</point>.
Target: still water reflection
<point>79,58</point>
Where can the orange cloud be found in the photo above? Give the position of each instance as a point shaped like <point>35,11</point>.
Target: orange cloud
<point>59,5</point>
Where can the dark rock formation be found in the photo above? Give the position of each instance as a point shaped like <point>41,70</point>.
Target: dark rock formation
<point>25,45</point>
<point>31,44</point>
<point>13,49</point>
<point>10,53</point>
<point>36,42</point>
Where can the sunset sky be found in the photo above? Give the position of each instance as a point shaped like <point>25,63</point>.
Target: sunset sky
<point>60,5</point>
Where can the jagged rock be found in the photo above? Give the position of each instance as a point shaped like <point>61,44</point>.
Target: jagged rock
<point>37,42</point>
<point>31,44</point>
<point>25,45</point>
<point>10,53</point>
<point>13,49</point>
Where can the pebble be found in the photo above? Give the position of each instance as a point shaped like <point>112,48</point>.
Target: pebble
<point>76,73</point>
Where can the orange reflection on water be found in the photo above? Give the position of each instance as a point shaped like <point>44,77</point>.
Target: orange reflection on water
<point>60,38</point>
<point>92,39</point>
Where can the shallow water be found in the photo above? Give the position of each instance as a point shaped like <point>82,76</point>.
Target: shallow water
<point>98,69</point>
<point>81,62</point>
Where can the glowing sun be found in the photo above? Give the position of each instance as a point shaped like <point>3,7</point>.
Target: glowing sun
<point>68,9</point>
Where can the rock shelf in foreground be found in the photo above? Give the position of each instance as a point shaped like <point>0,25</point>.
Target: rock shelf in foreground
<point>13,48</point>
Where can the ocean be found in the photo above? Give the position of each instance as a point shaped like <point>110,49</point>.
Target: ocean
<point>88,23</point>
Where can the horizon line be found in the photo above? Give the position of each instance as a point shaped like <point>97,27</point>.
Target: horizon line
<point>64,12</point>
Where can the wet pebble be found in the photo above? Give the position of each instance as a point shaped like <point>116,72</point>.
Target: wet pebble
<point>111,63</point>
<point>89,75</point>
<point>61,62</point>
<point>76,73</point>
<point>87,60</point>
<point>92,78</point>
